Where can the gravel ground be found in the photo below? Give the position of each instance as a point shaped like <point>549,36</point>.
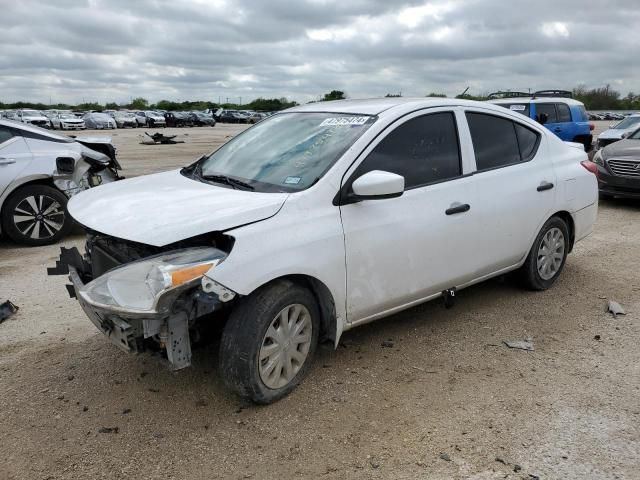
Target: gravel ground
<point>445,398</point>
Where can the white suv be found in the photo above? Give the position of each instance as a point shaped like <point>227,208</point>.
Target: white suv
<point>322,218</point>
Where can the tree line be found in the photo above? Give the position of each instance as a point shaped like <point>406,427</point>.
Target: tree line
<point>600,98</point>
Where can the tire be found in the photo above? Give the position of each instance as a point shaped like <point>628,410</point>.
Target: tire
<point>245,335</point>
<point>43,229</point>
<point>537,277</point>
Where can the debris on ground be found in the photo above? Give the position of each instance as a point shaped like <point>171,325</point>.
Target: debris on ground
<point>159,139</point>
<point>387,344</point>
<point>108,430</point>
<point>445,457</point>
<point>7,309</point>
<point>596,337</point>
<point>517,468</point>
<point>526,344</point>
<point>500,460</point>
<point>615,309</point>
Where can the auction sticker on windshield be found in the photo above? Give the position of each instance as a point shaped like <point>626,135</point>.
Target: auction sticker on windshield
<point>333,121</point>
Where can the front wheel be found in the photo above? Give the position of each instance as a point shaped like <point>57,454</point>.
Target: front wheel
<point>36,215</point>
<point>547,256</point>
<point>269,341</point>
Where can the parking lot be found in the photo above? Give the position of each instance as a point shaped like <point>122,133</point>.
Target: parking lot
<point>427,393</point>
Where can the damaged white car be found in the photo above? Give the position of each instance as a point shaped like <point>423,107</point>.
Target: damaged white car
<point>322,218</point>
<point>39,171</point>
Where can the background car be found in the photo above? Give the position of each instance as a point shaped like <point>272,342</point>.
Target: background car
<point>39,171</point>
<point>154,119</point>
<point>178,119</point>
<point>124,119</point>
<point>99,121</point>
<point>32,117</point>
<point>619,167</point>
<point>67,121</point>
<point>618,130</point>
<point>200,119</point>
<point>555,109</point>
<point>230,116</point>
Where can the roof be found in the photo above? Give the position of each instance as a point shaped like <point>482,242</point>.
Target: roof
<point>568,101</point>
<point>375,106</point>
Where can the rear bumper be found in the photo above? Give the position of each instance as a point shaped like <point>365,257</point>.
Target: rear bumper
<point>584,221</point>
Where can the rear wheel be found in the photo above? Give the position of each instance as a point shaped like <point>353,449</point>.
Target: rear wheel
<point>547,256</point>
<point>36,215</point>
<point>269,341</point>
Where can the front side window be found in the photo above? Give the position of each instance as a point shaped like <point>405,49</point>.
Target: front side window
<point>548,109</point>
<point>423,150</point>
<point>288,152</point>
<point>564,114</point>
<point>498,142</point>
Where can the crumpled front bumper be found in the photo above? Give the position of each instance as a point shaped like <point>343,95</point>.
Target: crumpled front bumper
<point>128,329</point>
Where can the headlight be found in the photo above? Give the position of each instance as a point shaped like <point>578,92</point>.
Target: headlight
<point>597,158</point>
<point>148,285</point>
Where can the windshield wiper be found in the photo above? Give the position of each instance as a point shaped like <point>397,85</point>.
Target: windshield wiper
<point>232,182</point>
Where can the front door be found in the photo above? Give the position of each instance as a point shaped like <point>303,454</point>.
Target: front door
<point>401,250</point>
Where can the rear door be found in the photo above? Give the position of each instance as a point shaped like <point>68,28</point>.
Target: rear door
<point>15,156</point>
<point>515,187</point>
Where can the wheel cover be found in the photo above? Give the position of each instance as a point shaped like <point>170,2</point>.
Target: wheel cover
<point>551,253</point>
<point>38,217</point>
<point>285,346</point>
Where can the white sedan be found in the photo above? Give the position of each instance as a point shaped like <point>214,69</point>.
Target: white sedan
<point>322,218</point>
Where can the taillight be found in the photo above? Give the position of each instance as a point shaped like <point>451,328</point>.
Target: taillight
<point>591,127</point>
<point>589,165</point>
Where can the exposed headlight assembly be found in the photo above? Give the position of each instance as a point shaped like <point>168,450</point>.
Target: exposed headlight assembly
<point>150,286</point>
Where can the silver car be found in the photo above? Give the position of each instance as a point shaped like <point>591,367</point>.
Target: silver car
<point>99,121</point>
<point>39,171</point>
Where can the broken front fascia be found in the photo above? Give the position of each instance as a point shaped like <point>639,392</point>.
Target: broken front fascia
<point>157,297</point>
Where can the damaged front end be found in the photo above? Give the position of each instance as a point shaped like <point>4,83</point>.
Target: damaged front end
<point>138,295</point>
<point>95,165</point>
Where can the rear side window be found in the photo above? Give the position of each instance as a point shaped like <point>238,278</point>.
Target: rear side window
<point>564,114</point>
<point>423,150</point>
<point>498,142</point>
<point>5,134</point>
<point>549,109</point>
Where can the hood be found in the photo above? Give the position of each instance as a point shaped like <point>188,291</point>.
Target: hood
<point>168,207</point>
<point>623,148</point>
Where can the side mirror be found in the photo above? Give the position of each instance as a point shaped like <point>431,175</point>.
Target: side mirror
<point>378,184</point>
<point>625,135</point>
<point>543,118</point>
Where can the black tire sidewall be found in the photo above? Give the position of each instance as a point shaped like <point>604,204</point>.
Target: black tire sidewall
<point>9,228</point>
<point>243,334</point>
<point>531,275</point>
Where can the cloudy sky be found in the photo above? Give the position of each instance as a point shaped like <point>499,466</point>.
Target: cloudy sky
<point>112,50</point>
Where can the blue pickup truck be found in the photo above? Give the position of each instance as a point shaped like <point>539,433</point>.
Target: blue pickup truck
<point>555,109</point>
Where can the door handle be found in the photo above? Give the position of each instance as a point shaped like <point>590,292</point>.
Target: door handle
<point>545,186</point>
<point>7,161</point>
<point>460,208</point>
<point>557,129</point>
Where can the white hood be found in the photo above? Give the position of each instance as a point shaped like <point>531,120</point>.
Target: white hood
<point>167,207</point>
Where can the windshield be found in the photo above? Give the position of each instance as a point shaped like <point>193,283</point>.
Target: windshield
<point>32,113</point>
<point>287,152</point>
<point>628,122</point>
<point>67,115</point>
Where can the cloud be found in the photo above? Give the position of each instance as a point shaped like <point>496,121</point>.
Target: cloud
<point>112,50</point>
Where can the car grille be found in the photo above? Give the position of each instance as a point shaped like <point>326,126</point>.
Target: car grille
<point>627,168</point>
